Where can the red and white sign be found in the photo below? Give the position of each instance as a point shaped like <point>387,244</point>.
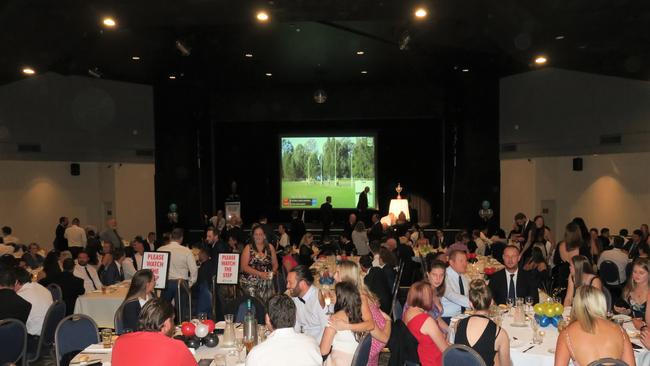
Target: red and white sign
<point>158,263</point>
<point>228,269</point>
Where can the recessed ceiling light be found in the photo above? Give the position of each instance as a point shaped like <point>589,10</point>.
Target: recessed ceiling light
<point>262,16</point>
<point>420,13</point>
<point>135,58</point>
<point>269,74</point>
<point>172,77</point>
<point>109,22</point>
<point>465,70</point>
<point>540,60</point>
<point>364,72</point>
<point>249,55</point>
<point>559,37</point>
<point>360,52</point>
<point>28,71</point>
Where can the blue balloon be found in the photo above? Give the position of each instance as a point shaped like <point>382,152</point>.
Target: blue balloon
<point>485,204</point>
<point>554,321</point>
<point>172,207</point>
<point>544,321</point>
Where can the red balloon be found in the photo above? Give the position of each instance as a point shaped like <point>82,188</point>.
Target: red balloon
<point>187,329</point>
<point>210,325</point>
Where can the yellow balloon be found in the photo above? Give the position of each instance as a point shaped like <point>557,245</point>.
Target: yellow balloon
<point>549,311</point>
<point>539,309</point>
<point>558,309</point>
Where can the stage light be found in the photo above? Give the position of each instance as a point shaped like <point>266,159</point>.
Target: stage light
<point>28,71</point>
<point>249,55</point>
<point>109,22</point>
<point>364,72</point>
<point>182,48</point>
<point>465,70</point>
<point>172,77</point>
<point>559,37</point>
<point>135,58</point>
<point>420,13</point>
<point>540,60</point>
<point>262,16</point>
<point>360,53</point>
<point>269,74</point>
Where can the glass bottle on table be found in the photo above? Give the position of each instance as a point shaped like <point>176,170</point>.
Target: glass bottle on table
<point>250,326</point>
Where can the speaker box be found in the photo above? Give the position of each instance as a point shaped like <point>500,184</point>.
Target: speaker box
<point>577,164</point>
<point>75,169</point>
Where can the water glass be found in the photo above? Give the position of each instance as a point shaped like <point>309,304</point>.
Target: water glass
<point>220,360</point>
<point>202,317</point>
<point>538,337</point>
<point>107,337</point>
<point>529,304</point>
<point>519,301</point>
<point>510,303</point>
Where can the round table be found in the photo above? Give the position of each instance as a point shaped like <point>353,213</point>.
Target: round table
<point>101,307</point>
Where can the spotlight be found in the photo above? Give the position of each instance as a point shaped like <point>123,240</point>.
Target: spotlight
<point>249,55</point>
<point>109,22</point>
<point>360,53</point>
<point>28,71</point>
<point>135,58</point>
<point>269,74</point>
<point>559,37</point>
<point>364,72</point>
<point>465,70</point>
<point>420,13</point>
<point>172,77</point>
<point>262,16</point>
<point>183,49</point>
<point>540,60</point>
<point>320,96</point>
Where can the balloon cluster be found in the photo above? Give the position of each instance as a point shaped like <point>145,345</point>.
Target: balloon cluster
<point>548,313</point>
<point>196,333</point>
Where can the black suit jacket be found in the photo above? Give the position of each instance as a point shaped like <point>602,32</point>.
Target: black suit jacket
<point>363,201</point>
<point>376,231</point>
<point>71,288</point>
<point>60,242</point>
<point>526,286</point>
<point>110,274</point>
<point>130,315</point>
<point>14,306</point>
<point>326,215</point>
<point>377,283</point>
<point>296,231</point>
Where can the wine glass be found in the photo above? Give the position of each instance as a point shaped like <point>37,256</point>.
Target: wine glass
<point>529,303</point>
<point>328,302</point>
<point>510,302</point>
<point>240,346</point>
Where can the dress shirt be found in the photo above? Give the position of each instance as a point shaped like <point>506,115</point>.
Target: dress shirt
<point>138,261</point>
<point>128,268</point>
<point>6,249</point>
<point>279,349</point>
<point>10,239</point>
<point>76,236</point>
<point>41,299</point>
<point>80,272</point>
<point>182,265</point>
<point>310,315</point>
<point>619,258</point>
<point>508,279</point>
<point>452,301</point>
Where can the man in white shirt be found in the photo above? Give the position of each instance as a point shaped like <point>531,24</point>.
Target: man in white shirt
<point>6,249</point>
<point>37,295</point>
<point>76,237</point>
<point>7,238</point>
<point>284,237</point>
<point>182,266</point>
<point>455,300</point>
<point>87,273</point>
<point>618,256</point>
<point>311,313</point>
<point>284,346</point>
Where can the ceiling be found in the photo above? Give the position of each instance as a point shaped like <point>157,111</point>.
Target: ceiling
<point>309,41</point>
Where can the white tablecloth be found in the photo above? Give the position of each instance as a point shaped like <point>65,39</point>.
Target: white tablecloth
<point>102,307</point>
<point>544,354</point>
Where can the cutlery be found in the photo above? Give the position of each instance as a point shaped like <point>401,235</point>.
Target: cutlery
<point>528,349</point>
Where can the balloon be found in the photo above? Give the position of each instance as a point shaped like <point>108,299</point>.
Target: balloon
<point>485,204</point>
<point>554,321</point>
<point>539,309</point>
<point>544,321</point>
<point>173,207</point>
<point>188,329</point>
<point>210,325</point>
<point>201,330</point>
<point>549,311</point>
<point>558,308</point>
<point>193,342</point>
<point>211,340</point>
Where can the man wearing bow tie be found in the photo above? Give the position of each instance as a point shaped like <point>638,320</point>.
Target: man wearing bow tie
<point>311,317</point>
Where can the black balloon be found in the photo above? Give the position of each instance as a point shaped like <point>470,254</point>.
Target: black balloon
<point>193,342</point>
<point>211,340</point>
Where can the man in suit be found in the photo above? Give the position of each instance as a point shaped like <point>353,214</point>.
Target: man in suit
<point>60,242</point>
<point>632,246</point>
<point>12,305</point>
<point>108,271</point>
<point>71,286</point>
<point>111,235</point>
<point>512,282</point>
<point>376,282</point>
<point>203,286</point>
<point>376,230</point>
<point>296,228</point>
<point>87,273</point>
<point>455,300</point>
<point>362,204</point>
<point>326,215</point>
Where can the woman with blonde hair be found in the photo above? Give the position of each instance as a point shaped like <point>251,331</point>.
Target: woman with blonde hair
<point>374,319</point>
<point>582,274</point>
<point>307,252</point>
<point>636,294</point>
<point>589,327</point>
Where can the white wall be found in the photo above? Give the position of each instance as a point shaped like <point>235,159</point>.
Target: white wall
<point>612,190</point>
<point>34,194</point>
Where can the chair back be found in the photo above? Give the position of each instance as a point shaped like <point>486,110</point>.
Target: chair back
<point>397,310</point>
<point>398,279</point>
<point>55,289</point>
<point>55,313</point>
<point>73,334</point>
<point>458,354</point>
<point>608,272</point>
<point>608,362</point>
<point>362,353</point>
<point>608,298</point>
<point>13,338</point>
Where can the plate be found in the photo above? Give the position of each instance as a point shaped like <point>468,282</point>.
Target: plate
<point>621,318</point>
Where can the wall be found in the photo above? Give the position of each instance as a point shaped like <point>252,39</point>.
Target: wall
<point>554,112</point>
<point>34,194</point>
<point>613,190</point>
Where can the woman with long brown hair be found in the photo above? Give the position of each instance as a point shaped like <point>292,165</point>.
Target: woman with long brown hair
<point>340,345</point>
<point>636,293</point>
<point>582,274</point>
